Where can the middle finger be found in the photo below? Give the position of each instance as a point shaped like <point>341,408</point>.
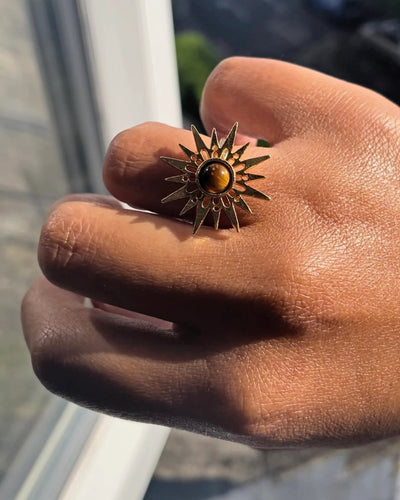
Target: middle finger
<point>134,172</point>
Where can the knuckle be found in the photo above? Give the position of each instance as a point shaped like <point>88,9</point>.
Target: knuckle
<point>308,303</point>
<point>229,64</point>
<point>263,413</point>
<point>385,134</point>
<point>117,157</point>
<point>125,154</point>
<point>62,241</point>
<point>239,67</point>
<point>297,301</point>
<point>46,361</point>
<point>374,125</point>
<point>222,73</point>
<point>227,84</point>
<point>26,304</point>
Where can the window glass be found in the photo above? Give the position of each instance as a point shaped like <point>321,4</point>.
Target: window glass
<point>32,177</point>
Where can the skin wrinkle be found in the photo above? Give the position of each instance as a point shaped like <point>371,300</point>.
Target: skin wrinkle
<point>298,412</point>
<point>66,238</point>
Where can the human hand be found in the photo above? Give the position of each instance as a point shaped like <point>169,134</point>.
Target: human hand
<point>287,333</point>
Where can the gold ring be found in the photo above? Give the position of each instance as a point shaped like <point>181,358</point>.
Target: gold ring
<point>214,179</point>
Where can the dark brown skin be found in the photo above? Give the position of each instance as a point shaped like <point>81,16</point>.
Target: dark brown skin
<point>285,334</point>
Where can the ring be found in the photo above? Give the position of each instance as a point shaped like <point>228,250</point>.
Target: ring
<point>214,179</point>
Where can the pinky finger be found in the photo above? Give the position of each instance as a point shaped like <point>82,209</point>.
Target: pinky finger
<point>122,366</point>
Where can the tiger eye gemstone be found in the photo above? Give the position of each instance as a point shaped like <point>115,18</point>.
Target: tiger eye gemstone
<point>214,177</point>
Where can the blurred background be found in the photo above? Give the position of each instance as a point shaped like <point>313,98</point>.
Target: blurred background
<point>51,143</point>
<point>357,40</point>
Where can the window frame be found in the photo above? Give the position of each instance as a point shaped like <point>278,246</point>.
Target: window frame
<point>117,68</point>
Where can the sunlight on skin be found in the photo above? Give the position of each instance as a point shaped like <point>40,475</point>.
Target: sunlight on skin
<point>285,334</point>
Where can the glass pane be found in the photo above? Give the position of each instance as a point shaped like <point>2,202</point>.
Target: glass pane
<point>32,177</point>
<point>355,40</point>
<point>38,167</point>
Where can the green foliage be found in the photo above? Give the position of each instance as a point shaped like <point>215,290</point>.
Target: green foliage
<point>262,143</point>
<point>196,58</point>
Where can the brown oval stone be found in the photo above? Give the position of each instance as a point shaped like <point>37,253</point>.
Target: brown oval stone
<point>214,177</point>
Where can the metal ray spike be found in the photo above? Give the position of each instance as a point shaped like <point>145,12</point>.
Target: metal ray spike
<point>198,140</point>
<point>176,195</point>
<point>249,191</point>
<point>231,213</point>
<point>214,139</point>
<point>241,150</point>
<point>179,164</point>
<point>229,141</point>
<point>187,151</point>
<point>242,204</point>
<point>201,214</point>
<point>192,202</point>
<point>251,162</point>
<point>179,179</point>
<point>216,217</point>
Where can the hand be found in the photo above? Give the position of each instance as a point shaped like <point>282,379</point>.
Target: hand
<point>287,333</point>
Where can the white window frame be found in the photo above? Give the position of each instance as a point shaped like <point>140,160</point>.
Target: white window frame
<point>132,51</point>
<point>131,57</point>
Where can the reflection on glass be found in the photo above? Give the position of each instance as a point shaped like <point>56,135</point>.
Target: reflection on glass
<point>32,177</point>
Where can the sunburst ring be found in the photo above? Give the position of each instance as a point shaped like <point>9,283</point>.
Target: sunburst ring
<point>214,179</point>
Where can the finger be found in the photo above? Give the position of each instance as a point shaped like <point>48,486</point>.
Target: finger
<point>275,100</point>
<point>139,261</point>
<point>120,365</point>
<point>134,173</point>
<point>275,393</point>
